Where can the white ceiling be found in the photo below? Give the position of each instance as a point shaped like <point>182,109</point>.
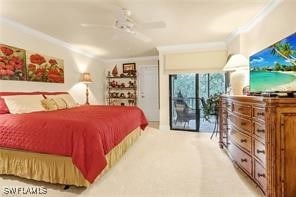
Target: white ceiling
<point>187,21</point>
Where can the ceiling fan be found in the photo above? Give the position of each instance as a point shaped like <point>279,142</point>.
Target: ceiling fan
<point>125,23</point>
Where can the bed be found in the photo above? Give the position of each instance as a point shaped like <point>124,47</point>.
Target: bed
<point>72,146</point>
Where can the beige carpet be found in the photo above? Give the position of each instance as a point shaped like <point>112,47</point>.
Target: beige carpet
<point>162,164</point>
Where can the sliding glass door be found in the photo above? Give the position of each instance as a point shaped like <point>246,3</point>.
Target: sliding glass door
<point>184,105</point>
<point>186,92</point>
<point>210,84</point>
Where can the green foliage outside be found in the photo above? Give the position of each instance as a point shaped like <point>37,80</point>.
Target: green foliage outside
<point>210,87</point>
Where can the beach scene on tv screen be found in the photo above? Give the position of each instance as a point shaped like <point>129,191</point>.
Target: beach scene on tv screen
<point>274,68</point>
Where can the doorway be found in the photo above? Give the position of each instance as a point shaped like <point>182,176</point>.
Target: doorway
<point>184,105</point>
<point>148,91</point>
<point>186,92</point>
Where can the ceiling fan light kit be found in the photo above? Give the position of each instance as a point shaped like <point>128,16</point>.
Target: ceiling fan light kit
<point>125,23</point>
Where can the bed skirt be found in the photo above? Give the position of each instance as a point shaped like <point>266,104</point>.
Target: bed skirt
<point>55,168</point>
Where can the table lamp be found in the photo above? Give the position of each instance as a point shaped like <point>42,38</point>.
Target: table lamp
<point>86,78</point>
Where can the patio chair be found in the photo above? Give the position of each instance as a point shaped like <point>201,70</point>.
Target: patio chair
<point>184,113</point>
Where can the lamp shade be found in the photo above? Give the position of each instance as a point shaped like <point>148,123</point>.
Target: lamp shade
<point>236,62</point>
<point>86,78</point>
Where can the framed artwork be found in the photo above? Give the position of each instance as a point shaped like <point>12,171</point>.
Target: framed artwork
<point>128,67</point>
<point>44,68</point>
<point>12,63</point>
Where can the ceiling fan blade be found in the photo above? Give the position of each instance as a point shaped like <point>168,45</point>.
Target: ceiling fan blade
<point>94,25</point>
<point>152,25</point>
<point>142,37</point>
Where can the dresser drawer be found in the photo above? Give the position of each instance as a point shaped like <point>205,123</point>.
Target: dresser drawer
<point>243,140</point>
<point>259,151</point>
<point>260,175</point>
<point>241,123</point>
<point>242,159</point>
<point>244,109</point>
<point>259,113</point>
<point>259,130</point>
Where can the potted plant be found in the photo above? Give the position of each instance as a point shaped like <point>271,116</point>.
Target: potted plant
<point>211,106</point>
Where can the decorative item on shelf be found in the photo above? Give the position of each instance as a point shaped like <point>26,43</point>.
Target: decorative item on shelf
<point>122,75</point>
<point>130,84</point>
<point>114,95</point>
<point>113,84</point>
<point>115,71</point>
<point>122,95</point>
<point>122,85</point>
<point>131,102</point>
<point>122,104</point>
<point>128,67</point>
<point>86,79</point>
<point>114,102</point>
<point>132,74</point>
<point>128,95</point>
<point>109,74</point>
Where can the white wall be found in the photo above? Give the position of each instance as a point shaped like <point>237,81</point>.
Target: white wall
<point>74,63</point>
<point>278,24</point>
<point>140,61</point>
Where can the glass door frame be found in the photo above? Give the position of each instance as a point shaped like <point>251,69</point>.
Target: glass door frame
<point>197,110</point>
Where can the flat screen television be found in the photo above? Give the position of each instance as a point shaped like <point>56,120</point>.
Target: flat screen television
<point>274,68</point>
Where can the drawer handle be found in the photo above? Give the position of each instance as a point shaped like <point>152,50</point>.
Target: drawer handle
<point>260,113</point>
<point>243,123</point>
<point>260,151</point>
<point>261,130</point>
<point>240,109</point>
<point>224,137</point>
<point>243,140</point>
<point>261,175</point>
<point>244,160</point>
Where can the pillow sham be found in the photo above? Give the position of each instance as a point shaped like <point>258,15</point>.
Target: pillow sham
<point>67,98</point>
<point>49,104</point>
<point>19,104</point>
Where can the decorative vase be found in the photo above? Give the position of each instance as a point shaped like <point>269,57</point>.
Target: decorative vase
<point>115,71</point>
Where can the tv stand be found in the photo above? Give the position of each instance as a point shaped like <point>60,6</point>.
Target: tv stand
<point>259,134</point>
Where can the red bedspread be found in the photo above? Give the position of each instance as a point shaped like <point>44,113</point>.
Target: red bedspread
<point>85,133</point>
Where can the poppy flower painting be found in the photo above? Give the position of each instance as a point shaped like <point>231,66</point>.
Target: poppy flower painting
<point>44,68</point>
<point>12,63</point>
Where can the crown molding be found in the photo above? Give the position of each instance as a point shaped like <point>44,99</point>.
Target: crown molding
<point>131,59</point>
<point>269,7</point>
<point>185,48</point>
<point>45,37</point>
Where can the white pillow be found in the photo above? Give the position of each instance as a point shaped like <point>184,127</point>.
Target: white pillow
<point>66,97</point>
<point>18,104</point>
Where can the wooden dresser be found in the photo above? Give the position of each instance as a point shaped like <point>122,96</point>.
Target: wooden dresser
<point>259,134</point>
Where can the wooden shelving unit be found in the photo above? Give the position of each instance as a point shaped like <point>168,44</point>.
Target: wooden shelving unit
<point>122,90</point>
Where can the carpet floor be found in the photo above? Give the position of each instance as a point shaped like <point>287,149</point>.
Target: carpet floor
<point>161,164</point>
